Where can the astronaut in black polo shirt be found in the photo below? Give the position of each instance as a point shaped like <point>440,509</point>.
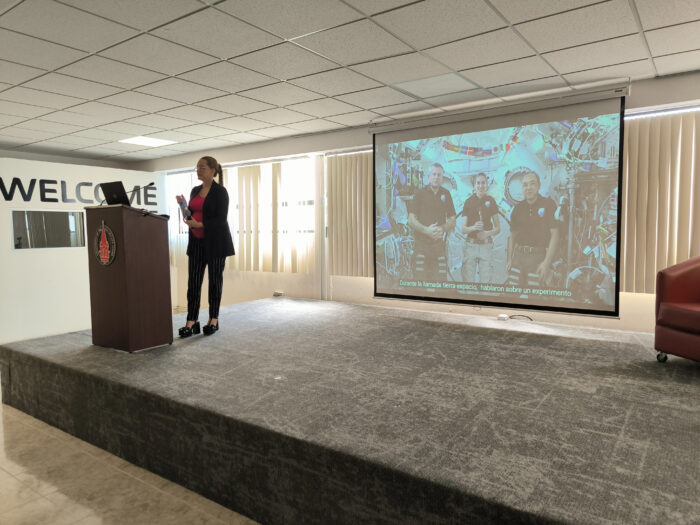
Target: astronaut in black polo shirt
<point>480,225</point>
<point>431,217</point>
<point>533,236</point>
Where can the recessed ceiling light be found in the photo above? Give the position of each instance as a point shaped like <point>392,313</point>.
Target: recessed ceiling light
<point>148,141</point>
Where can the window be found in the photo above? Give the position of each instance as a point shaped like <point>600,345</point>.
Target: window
<point>47,229</point>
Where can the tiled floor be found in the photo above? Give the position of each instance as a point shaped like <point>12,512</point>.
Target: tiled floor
<point>50,477</point>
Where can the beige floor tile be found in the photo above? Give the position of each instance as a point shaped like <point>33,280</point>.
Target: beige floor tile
<point>50,477</point>
<point>13,493</point>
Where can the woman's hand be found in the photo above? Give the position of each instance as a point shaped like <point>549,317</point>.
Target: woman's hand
<point>192,223</point>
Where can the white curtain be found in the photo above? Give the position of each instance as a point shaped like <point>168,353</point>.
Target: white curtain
<point>661,207</point>
<point>350,216</point>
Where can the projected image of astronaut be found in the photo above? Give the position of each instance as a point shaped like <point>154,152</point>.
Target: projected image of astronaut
<point>431,216</point>
<point>534,236</point>
<point>480,225</point>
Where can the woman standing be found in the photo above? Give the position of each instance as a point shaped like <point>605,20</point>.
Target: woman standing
<point>209,244</point>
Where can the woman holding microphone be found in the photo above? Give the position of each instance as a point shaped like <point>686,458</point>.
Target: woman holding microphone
<point>209,244</point>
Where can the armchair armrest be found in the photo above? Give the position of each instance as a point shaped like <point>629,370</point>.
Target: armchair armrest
<point>679,283</point>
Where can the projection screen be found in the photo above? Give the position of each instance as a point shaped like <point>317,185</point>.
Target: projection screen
<point>518,210</point>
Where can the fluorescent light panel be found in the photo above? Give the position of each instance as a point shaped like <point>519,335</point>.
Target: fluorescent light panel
<point>148,141</point>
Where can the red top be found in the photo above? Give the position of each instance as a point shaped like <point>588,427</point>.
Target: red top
<point>196,206</point>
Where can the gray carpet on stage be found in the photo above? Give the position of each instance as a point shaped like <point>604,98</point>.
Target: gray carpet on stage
<point>301,411</point>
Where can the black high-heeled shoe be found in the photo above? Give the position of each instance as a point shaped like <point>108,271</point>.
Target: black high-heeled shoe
<point>187,331</point>
<point>210,328</point>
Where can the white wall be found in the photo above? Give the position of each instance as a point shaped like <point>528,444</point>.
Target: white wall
<point>636,309</point>
<point>45,291</point>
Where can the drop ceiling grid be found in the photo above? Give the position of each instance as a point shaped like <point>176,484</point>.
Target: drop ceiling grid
<point>158,68</point>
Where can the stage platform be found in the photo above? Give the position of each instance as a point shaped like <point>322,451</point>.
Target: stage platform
<point>301,411</point>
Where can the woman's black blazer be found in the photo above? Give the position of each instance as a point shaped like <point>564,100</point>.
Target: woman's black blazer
<point>217,234</point>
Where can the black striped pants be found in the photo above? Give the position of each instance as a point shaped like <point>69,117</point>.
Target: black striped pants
<point>196,264</point>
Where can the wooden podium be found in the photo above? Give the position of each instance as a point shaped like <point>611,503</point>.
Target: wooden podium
<point>129,278</point>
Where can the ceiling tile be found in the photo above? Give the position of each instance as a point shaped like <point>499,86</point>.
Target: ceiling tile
<point>64,25</point>
<point>175,136</point>
<point>160,121</point>
<point>240,124</point>
<point>435,22</point>
<point>401,68</point>
<point>276,132</point>
<point>284,61</point>
<point>53,127</point>
<point>242,138</point>
<point>509,72</point>
<point>99,69</point>
<point>438,85</point>
<point>56,145</point>
<point>541,84</point>
<point>204,130</point>
<point>357,118</point>
<point>99,151</point>
<point>279,116</point>
<point>235,104</point>
<point>684,37</point>
<point>228,77</point>
<point>281,94</point>
<point>105,110</point>
<point>497,46</point>
<point>137,13</point>
<point>356,42</point>
<point>313,126</point>
<point>324,107</point>
<point>459,99</point>
<point>371,7</point>
<point>140,101</point>
<point>23,133</point>
<point>291,19</point>
<point>16,73</point>
<point>194,114</point>
<point>217,34</point>
<point>78,142</point>
<point>181,90</point>
<point>34,52</point>
<point>599,54</point>
<point>374,98</point>
<point>678,63</point>
<point>129,129</point>
<point>77,87</point>
<point>633,70</point>
<point>409,108</point>
<point>516,12</point>
<point>655,14</point>
<point>79,119</point>
<point>39,98</point>
<point>22,110</point>
<point>12,142</point>
<point>209,143</point>
<point>581,26</point>
<point>100,134</point>
<point>158,55</point>
<point>9,120</point>
<point>336,82</point>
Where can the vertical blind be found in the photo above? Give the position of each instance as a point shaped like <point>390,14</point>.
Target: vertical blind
<point>661,207</point>
<point>350,214</point>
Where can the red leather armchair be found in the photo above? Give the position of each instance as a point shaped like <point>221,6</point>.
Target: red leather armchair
<point>678,311</point>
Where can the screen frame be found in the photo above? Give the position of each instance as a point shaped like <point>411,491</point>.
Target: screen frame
<point>615,313</point>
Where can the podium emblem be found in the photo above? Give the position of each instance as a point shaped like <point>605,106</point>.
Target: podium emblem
<point>104,246</point>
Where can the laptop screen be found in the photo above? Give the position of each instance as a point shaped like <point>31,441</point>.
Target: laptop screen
<point>114,193</point>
